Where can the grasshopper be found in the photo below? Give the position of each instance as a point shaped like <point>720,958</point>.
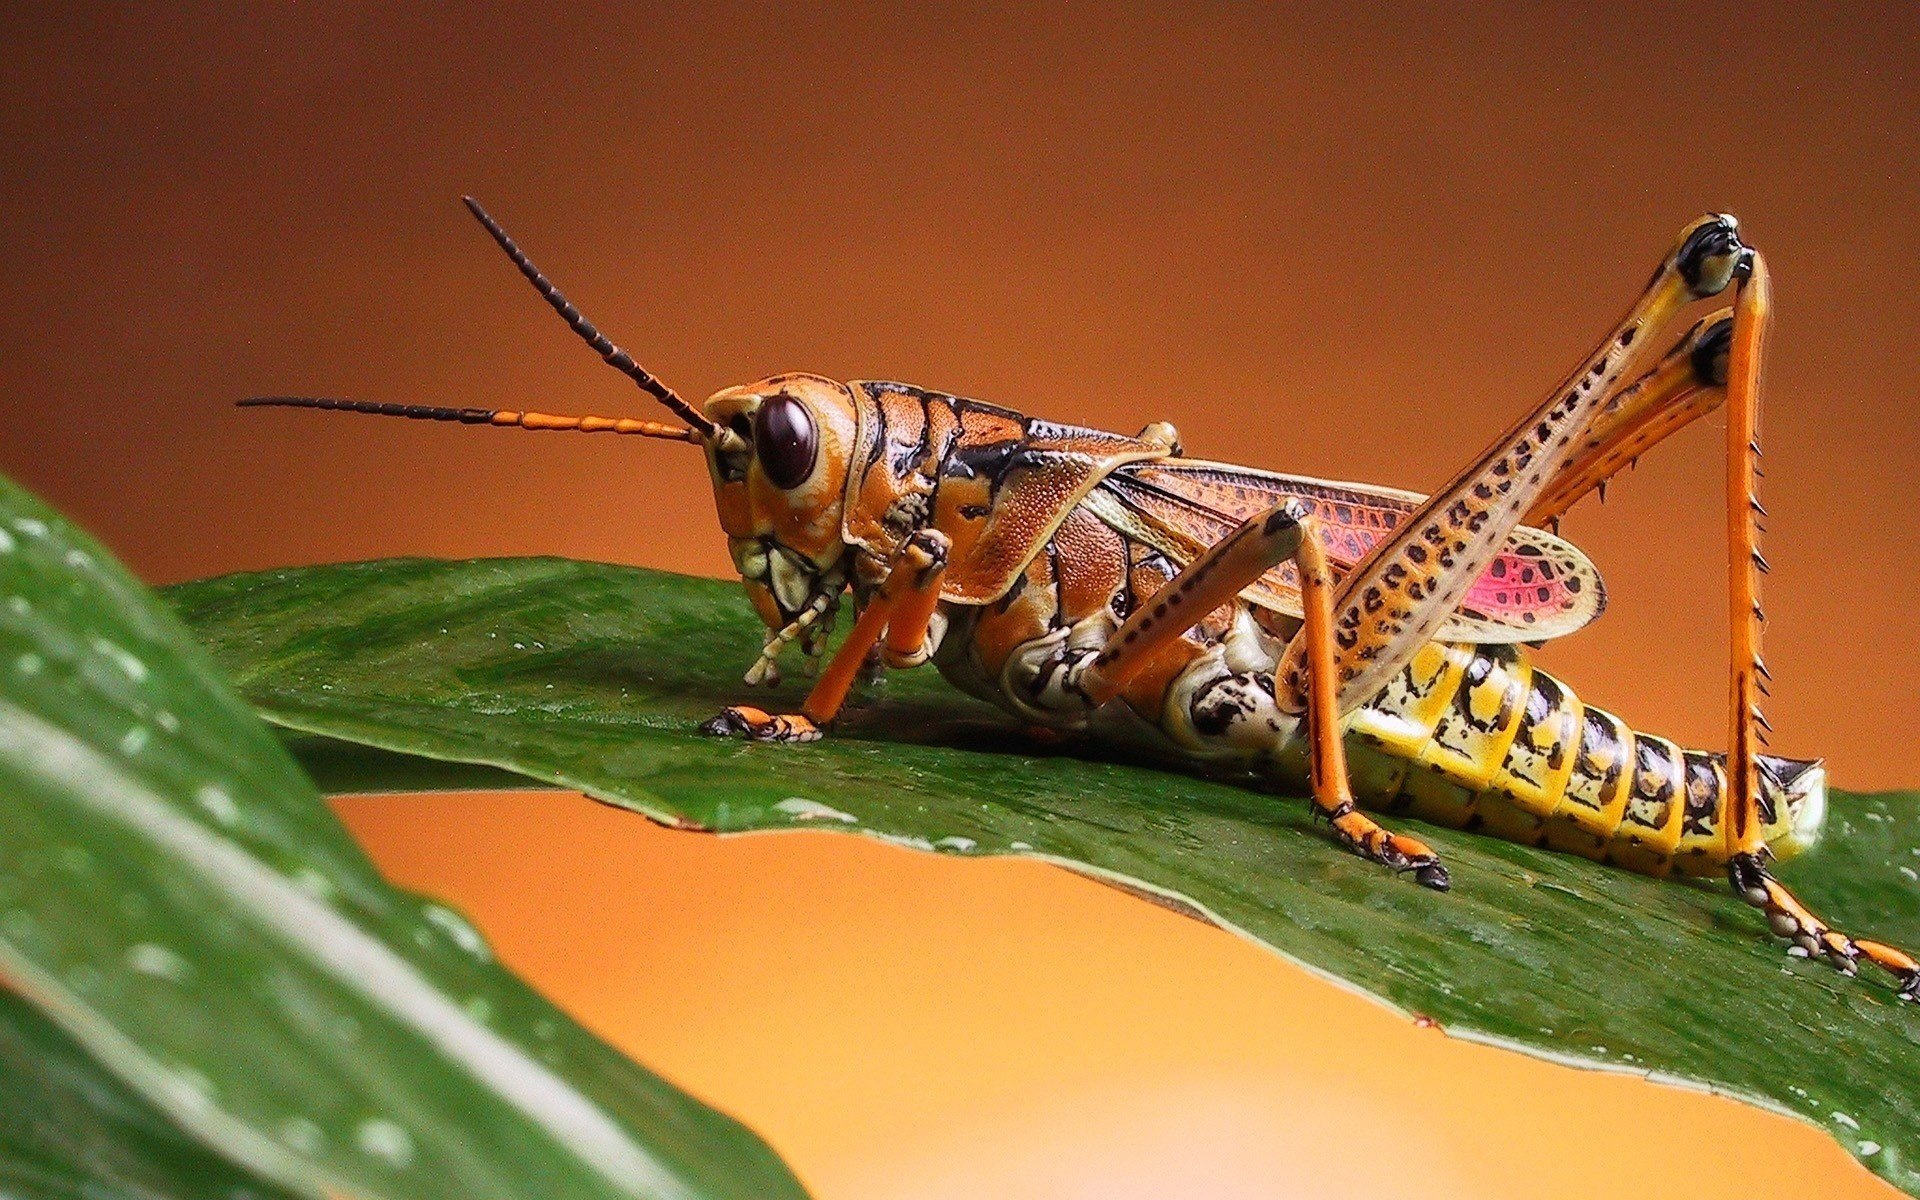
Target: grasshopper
<point>1366,642</point>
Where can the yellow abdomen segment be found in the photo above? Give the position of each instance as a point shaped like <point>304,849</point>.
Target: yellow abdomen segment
<point>1475,737</point>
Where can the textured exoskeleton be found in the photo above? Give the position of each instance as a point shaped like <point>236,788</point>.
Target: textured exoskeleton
<point>1366,642</point>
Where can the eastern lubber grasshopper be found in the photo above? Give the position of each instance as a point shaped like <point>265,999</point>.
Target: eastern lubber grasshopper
<point>1086,579</point>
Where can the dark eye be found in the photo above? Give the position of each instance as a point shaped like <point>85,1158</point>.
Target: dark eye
<point>784,438</point>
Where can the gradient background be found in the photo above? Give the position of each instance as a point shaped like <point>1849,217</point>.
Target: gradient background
<point>1352,243</point>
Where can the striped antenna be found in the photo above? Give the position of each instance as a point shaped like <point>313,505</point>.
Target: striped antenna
<point>619,359</point>
<point>481,416</point>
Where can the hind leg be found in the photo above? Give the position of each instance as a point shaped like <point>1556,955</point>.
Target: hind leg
<point>1285,531</point>
<point>1718,363</point>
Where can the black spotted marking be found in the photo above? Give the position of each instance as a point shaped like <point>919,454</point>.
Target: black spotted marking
<point>1651,797</point>
<point>1546,702</point>
<point>1713,239</point>
<point>1601,759</point>
<point>1702,815</point>
<point>1059,617</point>
<point>1710,354</point>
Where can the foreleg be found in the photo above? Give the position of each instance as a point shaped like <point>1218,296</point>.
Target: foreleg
<point>901,613</point>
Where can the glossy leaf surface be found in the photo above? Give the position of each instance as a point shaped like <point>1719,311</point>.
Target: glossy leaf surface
<point>176,895</point>
<point>595,677</point>
<point>71,1131</point>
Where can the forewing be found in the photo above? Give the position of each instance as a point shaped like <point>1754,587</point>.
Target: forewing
<point>1539,587</point>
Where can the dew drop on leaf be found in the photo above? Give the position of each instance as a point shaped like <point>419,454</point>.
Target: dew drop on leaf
<point>302,1135</point>
<point>384,1140</point>
<point>455,926</point>
<point>158,962</point>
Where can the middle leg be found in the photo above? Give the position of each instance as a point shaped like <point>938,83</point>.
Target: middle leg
<point>1287,530</point>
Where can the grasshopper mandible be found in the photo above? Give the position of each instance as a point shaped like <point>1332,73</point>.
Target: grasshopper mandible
<point>1363,640</point>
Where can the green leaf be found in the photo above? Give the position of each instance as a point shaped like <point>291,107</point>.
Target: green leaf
<point>594,677</point>
<point>176,895</point>
<point>71,1131</point>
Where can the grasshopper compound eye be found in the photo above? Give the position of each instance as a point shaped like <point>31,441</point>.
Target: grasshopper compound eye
<point>785,440</point>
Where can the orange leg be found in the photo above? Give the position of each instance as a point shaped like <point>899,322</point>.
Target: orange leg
<point>1719,362</point>
<point>1327,753</point>
<point>1688,383</point>
<point>1287,530</point>
<point>1398,597</point>
<point>901,612</point>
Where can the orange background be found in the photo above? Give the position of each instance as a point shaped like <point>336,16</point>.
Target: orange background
<point>1350,246</point>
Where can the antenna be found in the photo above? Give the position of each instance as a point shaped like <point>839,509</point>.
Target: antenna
<point>619,359</point>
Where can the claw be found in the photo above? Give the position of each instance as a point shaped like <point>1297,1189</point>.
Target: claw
<point>1397,852</point>
<point>729,722</point>
<point>761,726</point>
<point>1433,875</point>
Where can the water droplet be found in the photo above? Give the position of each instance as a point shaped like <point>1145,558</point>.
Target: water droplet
<point>519,645</point>
<point>79,560</point>
<point>302,1136</point>
<point>959,845</point>
<point>455,926</point>
<point>29,664</point>
<point>1841,1118</point>
<point>311,881</point>
<point>385,1141</point>
<point>1868,1149</point>
<point>218,804</point>
<point>1019,846</point>
<point>802,809</point>
<point>121,657</point>
<point>159,962</point>
<point>479,1008</point>
<point>166,721</point>
<point>6,542</point>
<point>134,740</point>
<point>30,526</point>
<point>20,605</point>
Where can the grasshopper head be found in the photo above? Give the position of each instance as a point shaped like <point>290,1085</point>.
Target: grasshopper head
<point>779,465</point>
<point>777,452</point>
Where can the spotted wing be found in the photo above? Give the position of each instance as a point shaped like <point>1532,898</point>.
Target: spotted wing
<point>1540,586</point>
